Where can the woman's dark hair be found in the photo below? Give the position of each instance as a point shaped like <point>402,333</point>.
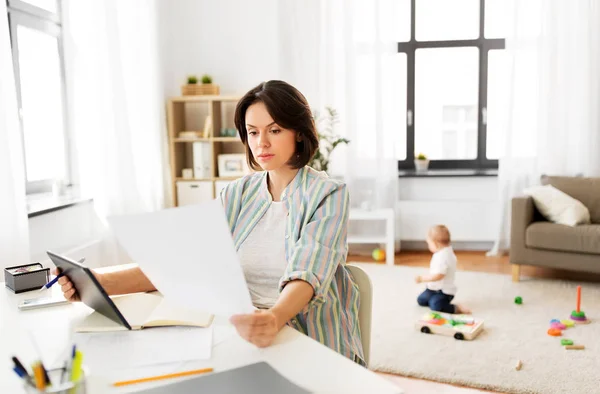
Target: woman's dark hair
<point>289,109</point>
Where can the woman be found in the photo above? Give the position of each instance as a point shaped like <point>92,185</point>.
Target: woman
<point>289,225</point>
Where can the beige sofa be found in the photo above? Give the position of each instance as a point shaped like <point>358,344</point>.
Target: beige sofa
<point>535,241</point>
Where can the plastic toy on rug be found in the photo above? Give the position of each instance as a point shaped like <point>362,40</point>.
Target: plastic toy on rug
<point>578,315</point>
<point>459,326</point>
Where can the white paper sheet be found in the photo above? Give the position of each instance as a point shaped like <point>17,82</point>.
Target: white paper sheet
<point>189,255</point>
<point>151,346</point>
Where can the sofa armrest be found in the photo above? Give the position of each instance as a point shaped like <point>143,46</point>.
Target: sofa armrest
<point>522,215</point>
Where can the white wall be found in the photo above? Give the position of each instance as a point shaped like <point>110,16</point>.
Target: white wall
<point>236,42</point>
<point>77,232</point>
<point>467,205</point>
<point>61,230</point>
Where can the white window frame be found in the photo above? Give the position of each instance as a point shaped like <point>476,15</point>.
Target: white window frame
<point>21,13</point>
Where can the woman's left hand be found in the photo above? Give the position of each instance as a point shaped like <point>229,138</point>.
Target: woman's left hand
<point>259,328</point>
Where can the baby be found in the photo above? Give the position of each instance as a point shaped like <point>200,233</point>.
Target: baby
<point>440,282</point>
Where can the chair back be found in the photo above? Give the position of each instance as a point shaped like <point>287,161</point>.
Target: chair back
<point>365,288</point>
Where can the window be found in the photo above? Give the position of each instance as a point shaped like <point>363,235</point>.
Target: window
<point>454,48</point>
<point>36,40</point>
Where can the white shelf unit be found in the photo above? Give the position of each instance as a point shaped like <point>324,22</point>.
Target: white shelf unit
<point>389,238</point>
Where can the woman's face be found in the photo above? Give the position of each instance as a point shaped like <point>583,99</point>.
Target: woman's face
<point>271,145</point>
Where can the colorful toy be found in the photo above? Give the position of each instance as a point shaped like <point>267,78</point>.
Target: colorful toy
<point>568,322</point>
<point>566,342</point>
<point>558,325</point>
<point>518,300</point>
<point>554,321</point>
<point>555,332</point>
<point>459,326</point>
<point>578,316</point>
<point>378,254</point>
<point>574,347</point>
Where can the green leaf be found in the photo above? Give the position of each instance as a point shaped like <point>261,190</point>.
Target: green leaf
<point>328,140</point>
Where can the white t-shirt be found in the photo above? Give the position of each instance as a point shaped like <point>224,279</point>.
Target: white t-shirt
<point>262,256</point>
<point>443,262</point>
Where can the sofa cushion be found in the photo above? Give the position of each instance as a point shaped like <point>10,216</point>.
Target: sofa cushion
<point>558,206</point>
<point>551,236</point>
<point>586,190</point>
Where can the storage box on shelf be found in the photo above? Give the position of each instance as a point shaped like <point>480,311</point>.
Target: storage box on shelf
<point>194,126</point>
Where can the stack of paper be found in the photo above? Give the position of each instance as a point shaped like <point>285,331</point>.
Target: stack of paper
<point>127,349</point>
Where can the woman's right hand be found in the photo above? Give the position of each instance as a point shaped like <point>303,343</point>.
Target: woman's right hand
<point>67,287</point>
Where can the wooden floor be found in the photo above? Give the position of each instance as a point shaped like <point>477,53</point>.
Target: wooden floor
<point>479,262</point>
<point>467,261</point>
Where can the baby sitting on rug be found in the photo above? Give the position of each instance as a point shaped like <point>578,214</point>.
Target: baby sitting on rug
<point>440,282</point>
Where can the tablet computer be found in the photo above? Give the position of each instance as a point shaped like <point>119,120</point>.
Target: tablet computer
<point>90,291</point>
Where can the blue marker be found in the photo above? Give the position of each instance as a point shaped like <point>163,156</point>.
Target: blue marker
<point>52,282</point>
<point>23,375</point>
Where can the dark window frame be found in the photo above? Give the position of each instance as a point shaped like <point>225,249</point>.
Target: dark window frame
<point>21,13</point>
<point>484,45</point>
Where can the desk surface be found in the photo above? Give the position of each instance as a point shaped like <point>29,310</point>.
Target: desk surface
<point>297,357</point>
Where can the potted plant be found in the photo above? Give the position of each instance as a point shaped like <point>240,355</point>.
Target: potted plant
<point>205,88</point>
<point>421,162</point>
<point>328,140</point>
<point>190,88</point>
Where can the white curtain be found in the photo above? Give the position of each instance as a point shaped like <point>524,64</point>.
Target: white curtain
<point>116,105</point>
<point>14,231</point>
<point>338,53</point>
<point>552,112</point>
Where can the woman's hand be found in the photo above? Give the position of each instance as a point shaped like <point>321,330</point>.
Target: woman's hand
<point>259,328</point>
<point>67,287</point>
<point>69,291</point>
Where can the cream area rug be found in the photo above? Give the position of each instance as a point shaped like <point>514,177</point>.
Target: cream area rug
<point>512,333</point>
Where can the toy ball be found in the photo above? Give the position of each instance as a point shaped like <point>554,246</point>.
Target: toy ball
<point>378,255</point>
<point>518,300</point>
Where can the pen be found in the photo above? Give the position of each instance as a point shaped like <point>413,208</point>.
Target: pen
<point>19,365</point>
<point>38,373</point>
<point>53,281</point>
<point>160,377</point>
<point>76,368</point>
<point>23,375</point>
<point>68,364</point>
<point>47,381</point>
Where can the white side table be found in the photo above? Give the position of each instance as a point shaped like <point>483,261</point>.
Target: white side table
<point>386,214</point>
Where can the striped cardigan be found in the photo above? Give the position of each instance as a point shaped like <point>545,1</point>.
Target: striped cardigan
<point>315,249</point>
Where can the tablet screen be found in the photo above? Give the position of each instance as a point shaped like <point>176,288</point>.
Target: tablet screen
<point>90,291</point>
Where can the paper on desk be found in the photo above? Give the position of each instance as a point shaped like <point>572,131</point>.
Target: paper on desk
<point>151,346</point>
<point>189,255</point>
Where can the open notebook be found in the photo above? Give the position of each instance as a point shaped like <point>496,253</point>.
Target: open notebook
<point>142,310</point>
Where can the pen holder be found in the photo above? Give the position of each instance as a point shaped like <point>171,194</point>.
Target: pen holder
<point>66,387</point>
<point>23,278</point>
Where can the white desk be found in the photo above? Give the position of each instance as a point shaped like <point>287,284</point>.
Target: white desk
<point>389,238</point>
<point>297,357</point>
